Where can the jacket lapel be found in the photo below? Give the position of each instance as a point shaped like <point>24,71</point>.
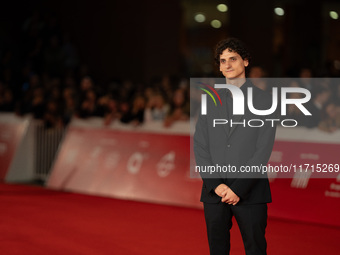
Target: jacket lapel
<point>239,118</point>
<point>236,118</point>
<point>222,110</point>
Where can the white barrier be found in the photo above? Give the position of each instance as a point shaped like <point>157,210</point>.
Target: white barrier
<point>47,142</point>
<point>135,163</point>
<point>27,148</point>
<point>17,141</point>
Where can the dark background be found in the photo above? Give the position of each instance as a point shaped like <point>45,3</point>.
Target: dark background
<point>142,39</point>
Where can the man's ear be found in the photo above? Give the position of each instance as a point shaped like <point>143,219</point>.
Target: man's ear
<point>246,62</point>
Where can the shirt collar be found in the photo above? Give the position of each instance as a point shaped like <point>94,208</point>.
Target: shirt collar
<point>245,85</point>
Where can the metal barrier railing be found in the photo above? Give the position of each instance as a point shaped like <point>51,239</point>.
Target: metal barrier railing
<point>47,141</point>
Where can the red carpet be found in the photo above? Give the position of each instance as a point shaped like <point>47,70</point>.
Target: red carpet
<point>36,221</point>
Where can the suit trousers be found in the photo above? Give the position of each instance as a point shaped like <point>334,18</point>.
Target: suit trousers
<point>251,219</point>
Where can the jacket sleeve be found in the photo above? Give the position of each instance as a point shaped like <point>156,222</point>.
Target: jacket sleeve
<point>202,155</point>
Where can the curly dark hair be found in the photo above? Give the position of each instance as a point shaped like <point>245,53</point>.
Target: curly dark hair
<point>234,45</point>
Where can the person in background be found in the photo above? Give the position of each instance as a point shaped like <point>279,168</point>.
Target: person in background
<point>330,118</point>
<point>7,103</point>
<point>179,109</point>
<point>156,109</point>
<point>135,115</point>
<point>306,79</point>
<point>52,116</point>
<point>321,96</point>
<point>256,74</point>
<point>37,104</point>
<point>293,112</point>
<point>88,106</point>
<point>69,104</point>
<point>86,84</point>
<point>108,109</point>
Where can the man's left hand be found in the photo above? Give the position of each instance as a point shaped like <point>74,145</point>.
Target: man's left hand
<point>229,197</point>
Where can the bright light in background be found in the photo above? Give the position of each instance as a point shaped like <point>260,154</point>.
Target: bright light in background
<point>222,7</point>
<point>216,23</point>
<point>199,17</point>
<point>279,11</point>
<point>333,15</point>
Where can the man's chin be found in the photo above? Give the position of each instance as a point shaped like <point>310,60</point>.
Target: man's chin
<point>230,77</point>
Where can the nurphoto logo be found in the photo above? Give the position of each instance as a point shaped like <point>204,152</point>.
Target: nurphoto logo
<point>239,99</point>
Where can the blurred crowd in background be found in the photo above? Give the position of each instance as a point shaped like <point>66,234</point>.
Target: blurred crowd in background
<point>42,75</point>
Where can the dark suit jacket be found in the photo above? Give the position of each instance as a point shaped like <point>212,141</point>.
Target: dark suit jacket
<point>237,146</point>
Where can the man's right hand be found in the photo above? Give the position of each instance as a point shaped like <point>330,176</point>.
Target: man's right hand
<point>220,189</point>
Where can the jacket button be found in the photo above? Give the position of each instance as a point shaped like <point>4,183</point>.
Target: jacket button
<point>228,145</point>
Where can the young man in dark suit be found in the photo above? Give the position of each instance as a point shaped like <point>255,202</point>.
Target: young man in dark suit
<point>235,194</point>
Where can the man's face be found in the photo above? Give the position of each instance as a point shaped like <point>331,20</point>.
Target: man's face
<point>232,65</point>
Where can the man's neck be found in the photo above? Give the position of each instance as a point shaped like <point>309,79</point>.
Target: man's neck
<point>238,82</point>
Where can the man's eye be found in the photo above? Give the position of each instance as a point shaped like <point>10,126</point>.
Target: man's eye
<point>222,60</point>
<point>233,59</point>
